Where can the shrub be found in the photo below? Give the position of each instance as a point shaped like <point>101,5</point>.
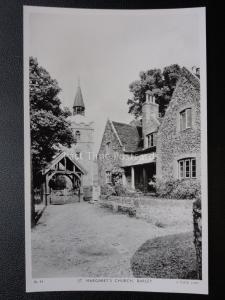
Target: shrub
<point>164,187</point>
<point>197,203</point>
<point>120,190</point>
<point>178,189</point>
<point>107,190</point>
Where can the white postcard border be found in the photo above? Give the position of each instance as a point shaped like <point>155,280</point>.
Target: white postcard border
<point>116,284</point>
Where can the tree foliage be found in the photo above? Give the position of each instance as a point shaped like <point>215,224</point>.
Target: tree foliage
<point>160,83</point>
<point>49,127</point>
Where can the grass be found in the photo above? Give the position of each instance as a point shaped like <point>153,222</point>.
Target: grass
<point>171,257</point>
<point>166,212</point>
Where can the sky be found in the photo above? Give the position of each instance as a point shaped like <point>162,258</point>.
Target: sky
<point>107,50</point>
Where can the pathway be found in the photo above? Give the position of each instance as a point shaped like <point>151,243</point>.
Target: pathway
<point>82,239</point>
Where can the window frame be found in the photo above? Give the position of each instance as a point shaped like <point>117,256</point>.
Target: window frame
<point>187,168</point>
<point>150,140</point>
<point>185,119</point>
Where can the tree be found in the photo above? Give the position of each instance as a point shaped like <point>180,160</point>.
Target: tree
<point>49,127</point>
<point>161,84</point>
<point>66,112</point>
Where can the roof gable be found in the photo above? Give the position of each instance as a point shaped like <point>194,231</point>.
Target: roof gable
<point>128,135</point>
<point>58,158</point>
<point>194,80</point>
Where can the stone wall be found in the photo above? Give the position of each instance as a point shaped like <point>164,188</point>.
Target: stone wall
<point>172,143</point>
<point>197,222</point>
<point>108,157</point>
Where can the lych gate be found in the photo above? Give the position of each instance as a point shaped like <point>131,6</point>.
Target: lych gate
<point>64,165</point>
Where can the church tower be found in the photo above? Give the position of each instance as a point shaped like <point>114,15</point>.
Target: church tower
<point>83,130</point>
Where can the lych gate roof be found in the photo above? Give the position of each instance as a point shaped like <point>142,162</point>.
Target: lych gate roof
<point>129,136</point>
<point>78,101</point>
<point>58,158</point>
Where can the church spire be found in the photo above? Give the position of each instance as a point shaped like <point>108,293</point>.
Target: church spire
<point>78,106</point>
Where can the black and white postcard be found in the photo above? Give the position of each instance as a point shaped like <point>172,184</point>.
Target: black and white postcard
<point>115,130</point>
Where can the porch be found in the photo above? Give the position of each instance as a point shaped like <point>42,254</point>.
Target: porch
<point>139,171</point>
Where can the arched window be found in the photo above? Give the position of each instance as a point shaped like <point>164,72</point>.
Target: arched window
<point>77,135</point>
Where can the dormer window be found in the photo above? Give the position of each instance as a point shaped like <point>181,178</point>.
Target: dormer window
<point>185,119</point>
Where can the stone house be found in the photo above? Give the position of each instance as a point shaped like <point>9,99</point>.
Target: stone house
<point>156,148</point>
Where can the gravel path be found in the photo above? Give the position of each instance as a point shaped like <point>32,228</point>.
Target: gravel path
<point>82,239</point>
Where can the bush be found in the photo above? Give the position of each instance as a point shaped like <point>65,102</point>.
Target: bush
<point>197,203</point>
<point>178,189</point>
<point>107,190</point>
<point>120,190</point>
<point>117,190</point>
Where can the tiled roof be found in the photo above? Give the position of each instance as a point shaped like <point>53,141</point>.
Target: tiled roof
<point>130,136</point>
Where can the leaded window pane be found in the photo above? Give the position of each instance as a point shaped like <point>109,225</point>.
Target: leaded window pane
<point>181,169</point>
<point>187,168</point>
<point>188,116</point>
<point>193,168</point>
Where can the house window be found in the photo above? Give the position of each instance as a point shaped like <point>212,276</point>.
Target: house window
<point>150,140</point>
<point>185,119</point>
<point>187,168</point>
<point>108,177</point>
<point>77,135</point>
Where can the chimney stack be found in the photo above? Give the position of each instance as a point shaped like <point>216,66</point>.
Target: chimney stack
<point>149,109</point>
